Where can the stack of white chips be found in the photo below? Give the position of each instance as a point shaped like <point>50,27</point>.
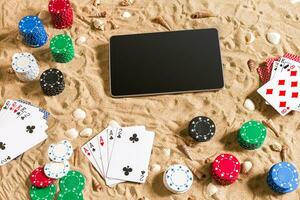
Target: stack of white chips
<point>25,66</point>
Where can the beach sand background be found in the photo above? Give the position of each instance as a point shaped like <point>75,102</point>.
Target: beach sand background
<point>168,115</point>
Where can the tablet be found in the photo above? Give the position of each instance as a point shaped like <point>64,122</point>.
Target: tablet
<point>165,63</point>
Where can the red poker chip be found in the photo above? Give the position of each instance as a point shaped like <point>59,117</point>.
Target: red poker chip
<point>61,13</point>
<point>58,6</point>
<point>39,179</point>
<point>226,169</point>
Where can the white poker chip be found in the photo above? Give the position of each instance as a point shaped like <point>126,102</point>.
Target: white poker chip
<point>57,170</point>
<point>61,151</point>
<point>178,178</point>
<point>25,66</point>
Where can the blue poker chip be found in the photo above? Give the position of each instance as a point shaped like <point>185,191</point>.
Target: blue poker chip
<point>178,178</point>
<point>33,32</point>
<point>283,177</point>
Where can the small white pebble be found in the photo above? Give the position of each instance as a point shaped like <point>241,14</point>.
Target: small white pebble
<point>246,167</point>
<point>273,37</point>
<point>167,152</point>
<point>276,147</point>
<point>81,40</point>
<point>79,114</point>
<point>87,132</point>
<point>249,105</point>
<point>155,168</point>
<point>211,189</point>
<point>72,133</point>
<point>126,14</point>
<point>249,37</point>
<point>114,124</point>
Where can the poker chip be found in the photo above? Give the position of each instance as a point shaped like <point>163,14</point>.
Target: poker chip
<point>57,170</point>
<point>252,135</point>
<point>69,195</point>
<point>39,179</point>
<point>283,177</point>
<point>32,30</point>
<point>52,82</point>
<point>202,129</point>
<point>225,169</point>
<point>47,193</point>
<point>25,66</point>
<point>62,48</point>
<point>61,151</point>
<point>61,13</point>
<point>178,178</point>
<point>74,181</point>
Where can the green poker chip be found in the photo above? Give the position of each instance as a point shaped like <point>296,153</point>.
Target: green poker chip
<point>62,48</point>
<point>74,181</point>
<point>69,195</point>
<point>252,135</point>
<point>47,193</point>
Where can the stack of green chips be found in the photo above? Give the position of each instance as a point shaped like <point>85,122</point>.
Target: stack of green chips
<point>252,135</point>
<point>47,193</point>
<point>62,48</point>
<point>71,186</point>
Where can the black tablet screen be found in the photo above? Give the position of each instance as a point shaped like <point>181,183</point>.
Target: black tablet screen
<point>166,62</point>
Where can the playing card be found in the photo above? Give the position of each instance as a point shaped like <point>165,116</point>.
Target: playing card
<point>292,57</point>
<point>88,153</point>
<point>282,91</point>
<point>131,155</point>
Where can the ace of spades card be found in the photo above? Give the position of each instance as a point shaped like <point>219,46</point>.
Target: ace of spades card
<point>282,92</point>
<point>131,154</point>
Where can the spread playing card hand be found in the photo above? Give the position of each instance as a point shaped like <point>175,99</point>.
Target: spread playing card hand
<point>22,126</point>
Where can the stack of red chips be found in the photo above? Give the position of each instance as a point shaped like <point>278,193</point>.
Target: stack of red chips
<point>61,12</point>
<point>225,169</point>
<point>39,179</point>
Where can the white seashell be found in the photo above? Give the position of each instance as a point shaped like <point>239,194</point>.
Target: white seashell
<point>211,189</point>
<point>81,40</point>
<point>79,114</point>
<point>126,14</point>
<point>249,105</point>
<point>155,168</point>
<point>97,2</point>
<point>276,147</point>
<point>99,24</point>
<point>295,1</point>
<point>114,124</point>
<point>72,133</point>
<point>87,132</point>
<point>167,152</point>
<point>249,37</point>
<point>246,167</point>
<point>273,37</point>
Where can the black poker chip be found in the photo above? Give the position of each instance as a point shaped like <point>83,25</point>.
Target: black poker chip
<point>52,82</point>
<point>202,128</point>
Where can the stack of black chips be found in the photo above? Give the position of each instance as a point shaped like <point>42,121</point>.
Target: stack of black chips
<point>52,82</point>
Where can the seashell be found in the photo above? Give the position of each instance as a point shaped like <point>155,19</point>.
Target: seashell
<point>283,153</point>
<point>249,38</point>
<point>202,14</point>
<point>113,25</point>
<point>196,172</point>
<point>160,20</point>
<point>211,189</point>
<point>87,132</point>
<point>246,167</point>
<point>72,133</point>
<point>186,151</point>
<point>271,125</point>
<point>99,24</point>
<point>114,124</point>
<point>81,40</point>
<point>273,37</point>
<point>249,105</point>
<point>167,152</point>
<point>97,2</point>
<point>96,185</point>
<point>126,2</point>
<point>276,147</point>
<point>126,14</point>
<point>79,114</point>
<point>155,168</point>
<point>251,65</point>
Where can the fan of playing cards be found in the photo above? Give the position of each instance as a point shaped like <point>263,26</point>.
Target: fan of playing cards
<point>22,126</point>
<point>121,153</point>
<point>281,78</point>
